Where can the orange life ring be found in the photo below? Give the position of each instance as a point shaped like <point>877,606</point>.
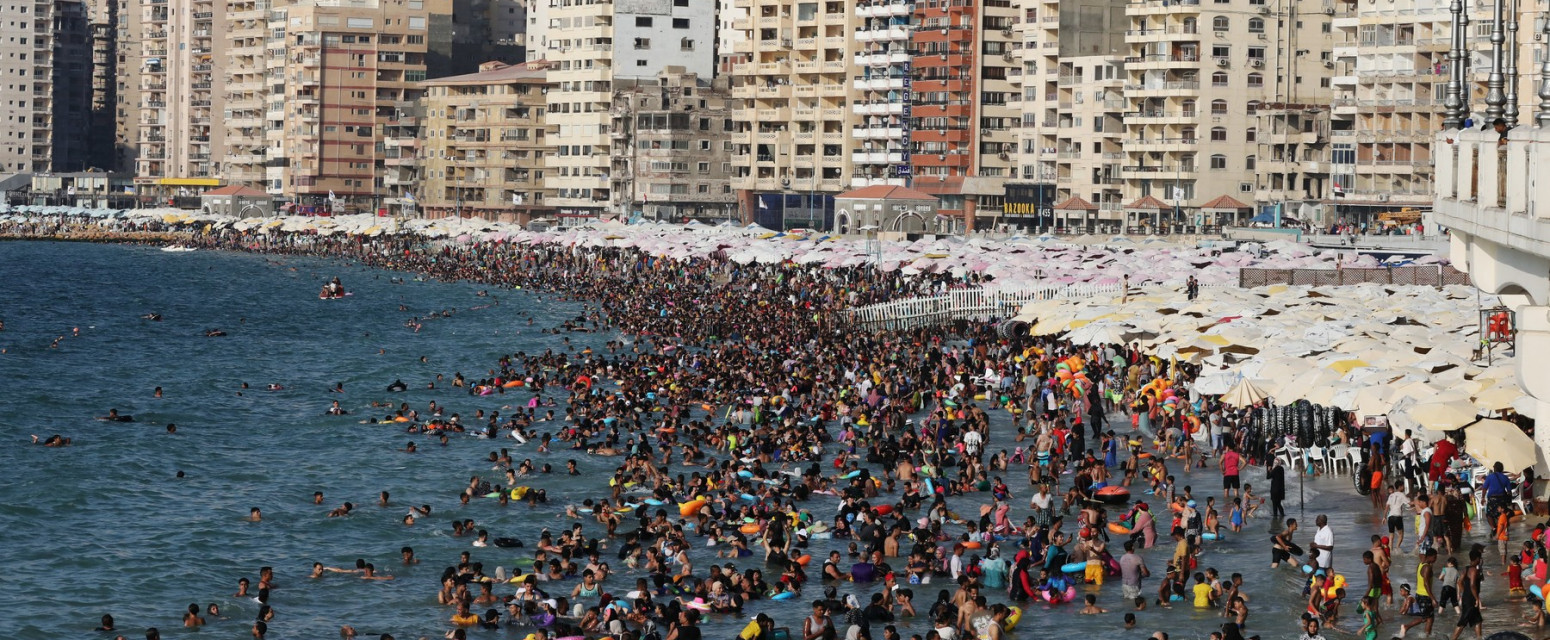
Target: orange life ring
<point>971,544</point>
<point>749,528</point>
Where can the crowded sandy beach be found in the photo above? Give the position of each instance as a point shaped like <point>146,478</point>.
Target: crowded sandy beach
<point>936,483</point>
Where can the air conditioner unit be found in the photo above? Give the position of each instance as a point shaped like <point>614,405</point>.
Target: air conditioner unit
<point>984,132</point>
<point>1221,62</point>
<point>941,156</point>
<point>1007,32</point>
<point>1329,64</point>
<point>1004,156</point>
<point>1264,10</point>
<point>1329,11</point>
<point>1383,197</point>
<point>1257,63</point>
<point>1261,36</point>
<point>1007,56</point>
<point>1221,34</point>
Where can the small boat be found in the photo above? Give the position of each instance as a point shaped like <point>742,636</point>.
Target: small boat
<point>178,248</point>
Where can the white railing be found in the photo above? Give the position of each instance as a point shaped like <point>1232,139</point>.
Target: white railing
<point>966,304</point>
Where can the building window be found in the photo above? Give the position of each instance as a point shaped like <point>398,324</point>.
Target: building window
<point>1221,51</point>
<point>1256,25</point>
<point>683,23</point>
<point>1218,161</point>
<point>1251,135</point>
<point>642,21</point>
<point>1250,163</point>
<point>1220,23</point>
<point>1218,107</point>
<point>1256,80</point>
<point>1219,79</point>
<point>643,43</point>
<point>686,44</point>
<point>1218,134</point>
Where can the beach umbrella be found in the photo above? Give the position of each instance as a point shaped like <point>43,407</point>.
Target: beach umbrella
<point>1443,416</point>
<point>1491,441</point>
<point>1245,393</point>
<point>1345,366</point>
<point>1498,397</point>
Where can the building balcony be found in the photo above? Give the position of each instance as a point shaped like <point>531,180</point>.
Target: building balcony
<point>880,59</point>
<point>877,133</point>
<point>1496,213</point>
<point>877,108</point>
<point>885,10</point>
<point>876,157</point>
<point>1161,144</point>
<point>1163,89</point>
<point>890,34</point>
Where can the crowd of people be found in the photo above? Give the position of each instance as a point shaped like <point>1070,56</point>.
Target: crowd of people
<point>745,414</point>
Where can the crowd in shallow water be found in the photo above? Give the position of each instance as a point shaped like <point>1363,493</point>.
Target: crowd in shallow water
<point>737,397</point>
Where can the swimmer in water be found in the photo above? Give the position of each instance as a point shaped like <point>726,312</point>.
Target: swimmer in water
<point>113,416</point>
<point>157,393</point>
<point>342,511</point>
<point>255,515</point>
<point>52,441</point>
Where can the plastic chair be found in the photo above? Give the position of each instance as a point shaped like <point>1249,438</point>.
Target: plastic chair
<point>1292,456</point>
<point>1318,459</point>
<point>1339,456</point>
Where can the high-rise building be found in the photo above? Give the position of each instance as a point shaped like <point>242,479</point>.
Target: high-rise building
<point>103,22</point>
<point>485,31</point>
<point>672,148</point>
<point>485,140</point>
<point>45,71</point>
<point>1390,85</point>
<point>966,109</point>
<point>590,44</point>
<point>794,148</point>
<point>347,71</point>
<point>1206,69</point>
<point>1073,106</point>
<point>182,44</point>
<point>247,92</point>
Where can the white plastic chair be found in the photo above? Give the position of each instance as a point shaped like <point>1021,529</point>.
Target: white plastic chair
<point>1316,457</point>
<point>1292,456</point>
<point>1339,456</point>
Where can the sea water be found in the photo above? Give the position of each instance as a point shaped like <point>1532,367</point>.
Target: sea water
<point>106,526</point>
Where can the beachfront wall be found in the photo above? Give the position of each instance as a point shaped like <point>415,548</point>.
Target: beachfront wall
<point>1494,199</point>
<point>966,304</point>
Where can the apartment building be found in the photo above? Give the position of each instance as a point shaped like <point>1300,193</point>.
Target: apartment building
<point>1292,170</point>
<point>1199,71</point>
<point>966,106</point>
<point>591,44</point>
<point>883,98</point>
<point>794,146</point>
<point>1393,69</point>
<point>672,148</point>
<point>1073,105</point>
<point>103,24</point>
<point>347,71</point>
<point>486,141</point>
<point>45,62</point>
<point>182,49</point>
<point>246,92</point>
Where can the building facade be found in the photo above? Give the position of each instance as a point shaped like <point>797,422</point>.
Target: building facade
<point>967,105</point>
<point>182,49</point>
<point>591,44</point>
<point>672,148</point>
<point>348,71</point>
<point>1205,69</point>
<point>794,146</point>
<point>486,140</point>
<point>45,61</point>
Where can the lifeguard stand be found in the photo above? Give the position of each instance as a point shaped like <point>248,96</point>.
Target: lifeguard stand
<point>1498,330</point>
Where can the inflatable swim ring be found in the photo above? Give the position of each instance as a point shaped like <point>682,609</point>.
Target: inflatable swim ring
<point>691,507</point>
<point>749,529</point>
<point>1113,495</point>
<point>1117,529</point>
<point>1074,567</point>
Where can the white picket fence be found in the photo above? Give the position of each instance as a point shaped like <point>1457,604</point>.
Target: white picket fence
<point>966,304</point>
